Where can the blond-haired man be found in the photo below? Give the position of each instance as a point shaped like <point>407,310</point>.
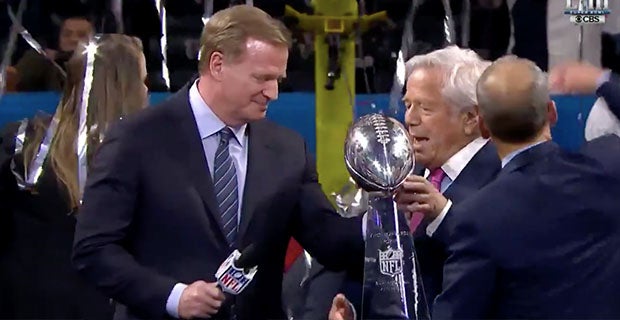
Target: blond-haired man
<point>175,189</point>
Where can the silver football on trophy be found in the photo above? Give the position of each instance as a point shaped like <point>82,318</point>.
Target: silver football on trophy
<point>378,153</point>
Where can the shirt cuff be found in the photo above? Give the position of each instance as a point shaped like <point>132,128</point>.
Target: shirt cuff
<point>172,305</point>
<point>432,227</point>
<point>603,78</point>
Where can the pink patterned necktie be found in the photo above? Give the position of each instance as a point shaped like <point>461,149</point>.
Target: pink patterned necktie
<point>435,178</point>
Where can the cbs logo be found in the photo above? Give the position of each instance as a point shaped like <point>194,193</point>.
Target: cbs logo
<point>587,19</point>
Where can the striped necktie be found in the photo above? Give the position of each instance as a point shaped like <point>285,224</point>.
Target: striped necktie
<point>225,186</point>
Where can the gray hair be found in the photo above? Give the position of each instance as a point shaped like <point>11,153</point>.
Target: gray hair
<point>461,70</point>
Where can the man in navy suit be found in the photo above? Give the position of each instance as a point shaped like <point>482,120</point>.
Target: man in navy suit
<point>173,190</point>
<point>540,241</point>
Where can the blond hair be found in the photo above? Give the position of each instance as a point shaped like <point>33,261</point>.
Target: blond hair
<point>228,30</point>
<point>116,91</point>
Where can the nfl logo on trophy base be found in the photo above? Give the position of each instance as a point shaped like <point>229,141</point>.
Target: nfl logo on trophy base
<point>391,262</point>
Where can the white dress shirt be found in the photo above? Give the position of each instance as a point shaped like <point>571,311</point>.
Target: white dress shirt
<point>601,121</point>
<point>453,168</point>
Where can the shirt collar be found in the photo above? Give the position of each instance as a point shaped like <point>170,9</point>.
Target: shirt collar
<point>457,163</point>
<point>515,153</point>
<point>207,121</point>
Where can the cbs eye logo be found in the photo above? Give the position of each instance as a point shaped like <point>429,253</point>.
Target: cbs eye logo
<point>588,19</point>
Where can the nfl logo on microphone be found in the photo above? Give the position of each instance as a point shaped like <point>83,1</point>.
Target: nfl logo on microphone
<point>233,280</point>
<point>587,11</point>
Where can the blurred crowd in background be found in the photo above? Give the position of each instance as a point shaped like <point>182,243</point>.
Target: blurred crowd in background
<point>490,27</point>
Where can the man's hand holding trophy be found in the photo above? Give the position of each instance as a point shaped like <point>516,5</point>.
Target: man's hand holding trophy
<point>418,195</point>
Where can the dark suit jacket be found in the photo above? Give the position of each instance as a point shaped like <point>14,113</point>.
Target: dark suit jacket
<point>432,253</point>
<point>37,280</point>
<point>149,217</point>
<point>540,241</point>
<point>529,29</point>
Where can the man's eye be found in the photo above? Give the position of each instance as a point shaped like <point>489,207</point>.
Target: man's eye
<point>416,105</point>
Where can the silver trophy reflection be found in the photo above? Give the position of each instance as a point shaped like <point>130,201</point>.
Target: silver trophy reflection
<point>379,157</point>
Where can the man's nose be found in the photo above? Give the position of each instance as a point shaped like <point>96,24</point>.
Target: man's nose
<point>271,90</point>
<point>412,118</point>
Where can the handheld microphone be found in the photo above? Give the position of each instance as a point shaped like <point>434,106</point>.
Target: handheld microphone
<point>238,270</point>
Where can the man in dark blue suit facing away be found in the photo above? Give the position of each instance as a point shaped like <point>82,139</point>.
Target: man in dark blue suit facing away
<point>541,240</point>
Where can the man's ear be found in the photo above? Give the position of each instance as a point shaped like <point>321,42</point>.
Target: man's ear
<point>470,121</point>
<point>216,64</point>
<point>552,113</point>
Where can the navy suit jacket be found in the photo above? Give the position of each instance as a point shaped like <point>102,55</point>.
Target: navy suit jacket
<point>149,217</point>
<point>540,241</point>
<point>480,170</point>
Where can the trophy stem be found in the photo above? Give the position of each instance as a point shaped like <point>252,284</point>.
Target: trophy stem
<point>391,278</point>
<point>401,278</point>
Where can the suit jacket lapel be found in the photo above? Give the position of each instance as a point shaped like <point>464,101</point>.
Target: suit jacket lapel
<point>189,150</point>
<point>261,162</point>
<point>481,169</point>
